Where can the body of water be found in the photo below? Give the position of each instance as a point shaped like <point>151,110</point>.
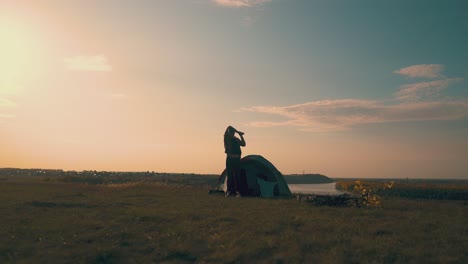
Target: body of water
<point>324,188</point>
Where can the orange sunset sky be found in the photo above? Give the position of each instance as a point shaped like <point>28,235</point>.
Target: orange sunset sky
<point>341,88</point>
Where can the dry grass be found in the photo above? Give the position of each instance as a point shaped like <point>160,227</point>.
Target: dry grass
<point>49,222</point>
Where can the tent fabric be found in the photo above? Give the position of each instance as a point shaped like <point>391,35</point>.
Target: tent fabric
<point>267,189</point>
<point>258,177</point>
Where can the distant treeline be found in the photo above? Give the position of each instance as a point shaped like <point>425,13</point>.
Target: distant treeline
<point>111,177</point>
<point>106,177</point>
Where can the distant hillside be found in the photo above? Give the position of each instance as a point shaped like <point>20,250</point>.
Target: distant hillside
<point>307,179</point>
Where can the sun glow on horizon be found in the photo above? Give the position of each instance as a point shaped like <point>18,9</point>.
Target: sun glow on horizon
<point>19,52</point>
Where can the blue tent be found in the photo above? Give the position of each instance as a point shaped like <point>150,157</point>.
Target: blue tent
<point>258,177</point>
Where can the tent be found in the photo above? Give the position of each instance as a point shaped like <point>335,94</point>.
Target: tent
<point>258,177</point>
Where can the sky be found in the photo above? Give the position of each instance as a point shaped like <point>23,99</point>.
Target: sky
<point>341,88</point>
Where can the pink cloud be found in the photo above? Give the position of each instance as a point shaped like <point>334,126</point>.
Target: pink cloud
<point>415,102</point>
<point>332,115</point>
<point>97,63</point>
<point>240,3</point>
<point>422,71</point>
<point>420,90</point>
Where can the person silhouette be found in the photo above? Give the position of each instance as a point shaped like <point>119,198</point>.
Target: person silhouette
<point>232,148</point>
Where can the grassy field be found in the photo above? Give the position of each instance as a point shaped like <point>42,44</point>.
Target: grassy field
<point>46,221</point>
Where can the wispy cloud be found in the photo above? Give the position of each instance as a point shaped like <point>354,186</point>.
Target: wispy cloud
<point>118,95</point>
<point>422,71</point>
<point>412,102</point>
<point>97,63</point>
<point>6,102</point>
<point>332,115</point>
<point>417,91</point>
<point>240,3</point>
<point>7,116</point>
<point>249,21</point>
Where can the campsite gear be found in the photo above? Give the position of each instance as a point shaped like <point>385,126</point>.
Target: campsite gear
<point>215,192</point>
<point>258,177</point>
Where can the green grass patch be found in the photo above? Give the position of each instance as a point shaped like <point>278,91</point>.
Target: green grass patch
<point>50,222</point>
